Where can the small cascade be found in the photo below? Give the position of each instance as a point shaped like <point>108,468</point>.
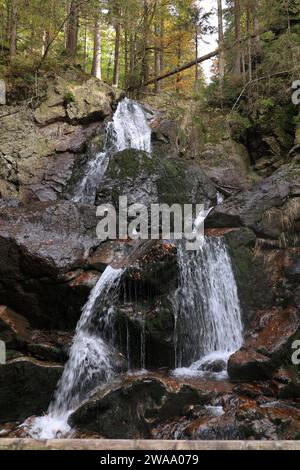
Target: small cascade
<point>128,129</point>
<point>92,360</point>
<point>207,310</point>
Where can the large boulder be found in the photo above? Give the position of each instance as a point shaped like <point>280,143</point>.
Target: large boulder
<point>44,250</point>
<point>39,148</point>
<point>26,388</point>
<point>271,208</point>
<point>20,339</point>
<point>256,271</point>
<point>129,409</point>
<point>267,345</point>
<point>86,102</point>
<point>150,179</point>
<point>228,165</point>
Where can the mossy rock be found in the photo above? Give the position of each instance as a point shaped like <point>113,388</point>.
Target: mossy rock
<point>253,282</point>
<point>149,179</point>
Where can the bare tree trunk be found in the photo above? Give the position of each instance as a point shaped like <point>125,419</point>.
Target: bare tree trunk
<point>96,68</point>
<point>46,39</point>
<point>85,47</point>
<point>237,12</point>
<point>117,54</point>
<point>161,49</point>
<point>13,27</point>
<point>248,16</point>
<point>178,77</point>
<point>145,60</point>
<point>196,88</point>
<point>244,66</point>
<point>72,29</point>
<point>126,57</point>
<point>157,62</point>
<point>221,41</point>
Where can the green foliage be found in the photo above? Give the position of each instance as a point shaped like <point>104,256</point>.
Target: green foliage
<point>267,103</point>
<point>69,98</point>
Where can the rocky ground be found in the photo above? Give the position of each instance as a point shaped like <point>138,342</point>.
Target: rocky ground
<point>51,259</point>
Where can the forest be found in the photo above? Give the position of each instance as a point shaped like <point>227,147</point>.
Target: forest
<point>127,340</point>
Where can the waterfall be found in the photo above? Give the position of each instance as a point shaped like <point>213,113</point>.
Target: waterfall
<point>208,324</point>
<point>129,128</point>
<point>92,360</point>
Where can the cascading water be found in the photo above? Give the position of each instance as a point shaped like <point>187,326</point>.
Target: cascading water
<point>92,361</point>
<point>208,320</point>
<point>208,324</point>
<point>129,128</point>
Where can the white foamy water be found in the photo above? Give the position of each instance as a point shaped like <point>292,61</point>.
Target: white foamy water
<point>208,324</point>
<point>129,129</point>
<point>92,360</point>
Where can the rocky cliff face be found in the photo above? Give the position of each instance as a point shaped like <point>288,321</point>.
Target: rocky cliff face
<point>51,259</point>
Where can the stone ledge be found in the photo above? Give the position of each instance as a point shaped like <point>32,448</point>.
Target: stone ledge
<point>108,444</point>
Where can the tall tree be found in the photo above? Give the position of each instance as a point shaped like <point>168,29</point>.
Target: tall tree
<point>117,20</point>
<point>237,23</point>
<point>221,40</point>
<point>72,29</point>
<point>96,68</point>
<point>13,27</point>
<point>157,53</point>
<point>145,58</point>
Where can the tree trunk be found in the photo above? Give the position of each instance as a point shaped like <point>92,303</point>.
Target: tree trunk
<point>46,39</point>
<point>145,61</point>
<point>72,30</point>
<point>157,61</point>
<point>85,48</point>
<point>221,41</point>
<point>196,88</point>
<point>237,13</point>
<point>13,27</point>
<point>117,54</point>
<point>161,51</point>
<point>126,58</point>
<point>178,77</point>
<point>96,68</point>
<point>248,18</point>
<point>183,67</point>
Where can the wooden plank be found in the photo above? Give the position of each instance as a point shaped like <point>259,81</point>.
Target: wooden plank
<point>108,444</point>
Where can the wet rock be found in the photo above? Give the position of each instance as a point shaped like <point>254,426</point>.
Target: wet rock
<point>149,179</point>
<point>214,366</point>
<point>265,346</point>
<point>13,327</point>
<point>39,247</point>
<point>129,410</point>
<point>26,388</point>
<point>248,364</point>
<point>146,332</point>
<point>287,383</point>
<point>21,339</point>
<point>255,272</point>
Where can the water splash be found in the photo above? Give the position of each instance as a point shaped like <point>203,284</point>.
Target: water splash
<point>207,310</point>
<point>128,129</point>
